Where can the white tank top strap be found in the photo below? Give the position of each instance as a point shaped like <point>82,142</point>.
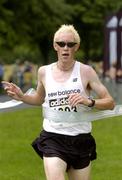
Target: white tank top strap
<point>57,99</point>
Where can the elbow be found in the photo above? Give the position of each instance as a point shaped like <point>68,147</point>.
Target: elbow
<point>112,104</point>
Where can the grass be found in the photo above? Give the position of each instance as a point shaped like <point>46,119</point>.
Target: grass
<point>108,135</point>
<point>18,161</point>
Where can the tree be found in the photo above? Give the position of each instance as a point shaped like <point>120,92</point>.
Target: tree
<point>27,27</point>
<point>31,23</point>
<point>89,19</point>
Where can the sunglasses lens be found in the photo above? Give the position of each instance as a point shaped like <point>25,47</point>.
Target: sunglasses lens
<point>63,44</point>
<point>70,44</point>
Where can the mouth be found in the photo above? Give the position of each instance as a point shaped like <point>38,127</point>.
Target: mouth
<point>65,54</point>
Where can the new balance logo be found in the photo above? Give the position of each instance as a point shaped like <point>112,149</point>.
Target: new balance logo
<point>75,79</point>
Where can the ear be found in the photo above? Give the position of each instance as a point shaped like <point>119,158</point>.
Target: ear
<point>55,46</point>
<point>77,47</point>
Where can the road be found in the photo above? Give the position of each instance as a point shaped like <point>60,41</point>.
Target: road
<point>4,98</point>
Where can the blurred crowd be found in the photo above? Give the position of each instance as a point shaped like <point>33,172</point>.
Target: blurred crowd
<point>21,73</point>
<point>24,73</point>
<point>1,74</point>
<point>112,79</point>
<point>112,74</point>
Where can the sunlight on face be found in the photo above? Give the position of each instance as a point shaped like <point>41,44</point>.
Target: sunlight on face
<point>65,53</point>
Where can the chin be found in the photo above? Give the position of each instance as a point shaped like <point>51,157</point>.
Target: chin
<point>66,58</point>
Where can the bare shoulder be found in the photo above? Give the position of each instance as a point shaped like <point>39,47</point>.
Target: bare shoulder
<point>41,74</point>
<point>89,77</point>
<point>87,70</point>
<point>41,70</point>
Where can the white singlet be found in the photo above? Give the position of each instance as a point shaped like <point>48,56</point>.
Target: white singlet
<point>57,99</point>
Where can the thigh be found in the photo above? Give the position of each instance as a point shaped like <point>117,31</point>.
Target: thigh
<point>54,168</point>
<point>80,174</point>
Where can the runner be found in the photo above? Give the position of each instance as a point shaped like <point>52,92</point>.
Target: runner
<point>66,85</point>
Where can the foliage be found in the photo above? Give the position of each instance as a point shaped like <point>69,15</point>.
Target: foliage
<point>89,19</point>
<point>27,27</point>
<point>31,24</point>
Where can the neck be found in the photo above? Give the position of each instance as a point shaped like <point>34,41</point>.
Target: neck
<point>65,66</point>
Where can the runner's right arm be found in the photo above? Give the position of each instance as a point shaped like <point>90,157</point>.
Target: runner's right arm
<point>35,98</point>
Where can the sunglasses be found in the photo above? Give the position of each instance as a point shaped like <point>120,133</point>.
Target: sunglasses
<point>63,44</point>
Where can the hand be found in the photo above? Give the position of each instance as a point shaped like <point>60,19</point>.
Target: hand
<point>76,98</point>
<point>13,90</point>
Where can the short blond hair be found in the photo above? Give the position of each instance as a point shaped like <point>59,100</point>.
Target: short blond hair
<point>67,28</point>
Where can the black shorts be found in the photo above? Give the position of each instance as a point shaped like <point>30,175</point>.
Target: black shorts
<point>76,151</point>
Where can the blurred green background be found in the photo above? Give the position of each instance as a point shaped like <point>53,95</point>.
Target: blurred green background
<point>27,27</point>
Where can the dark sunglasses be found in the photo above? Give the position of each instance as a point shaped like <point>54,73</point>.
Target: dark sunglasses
<point>69,44</point>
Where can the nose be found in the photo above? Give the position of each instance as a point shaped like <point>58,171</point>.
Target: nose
<point>65,47</point>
